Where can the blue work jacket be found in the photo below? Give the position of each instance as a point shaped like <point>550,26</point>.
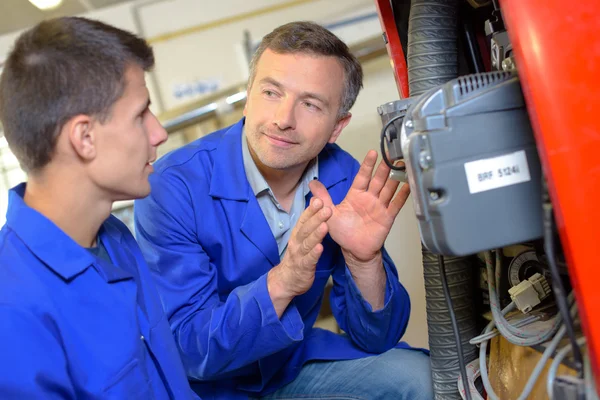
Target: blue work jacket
<point>210,248</point>
<point>74,326</point>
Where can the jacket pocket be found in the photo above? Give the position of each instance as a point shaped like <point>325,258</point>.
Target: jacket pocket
<point>129,383</point>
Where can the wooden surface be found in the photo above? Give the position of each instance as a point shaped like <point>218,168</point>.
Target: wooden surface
<point>510,367</point>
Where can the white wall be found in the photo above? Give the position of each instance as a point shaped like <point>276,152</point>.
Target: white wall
<point>6,43</point>
<point>216,53</point>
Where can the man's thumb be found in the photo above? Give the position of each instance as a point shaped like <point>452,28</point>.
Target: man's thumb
<point>319,190</point>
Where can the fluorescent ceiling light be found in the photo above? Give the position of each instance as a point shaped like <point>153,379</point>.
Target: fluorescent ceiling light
<point>46,4</point>
<point>236,97</point>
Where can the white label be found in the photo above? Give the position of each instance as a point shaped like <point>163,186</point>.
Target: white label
<point>493,173</point>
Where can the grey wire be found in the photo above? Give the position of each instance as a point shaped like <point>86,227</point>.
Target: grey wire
<point>518,324</point>
<point>537,371</point>
<point>557,283</point>
<point>530,337</point>
<point>590,386</point>
<point>539,367</point>
<point>471,376</point>
<point>562,353</point>
<point>527,336</point>
<point>483,365</point>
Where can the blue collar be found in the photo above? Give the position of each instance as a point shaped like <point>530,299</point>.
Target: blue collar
<point>53,246</point>
<point>229,179</point>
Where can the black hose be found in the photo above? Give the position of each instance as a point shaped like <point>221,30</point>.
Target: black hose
<point>445,366</point>
<point>557,283</point>
<point>432,54</point>
<point>432,59</point>
<point>461,358</point>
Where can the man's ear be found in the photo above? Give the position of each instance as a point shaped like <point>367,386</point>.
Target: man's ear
<point>339,126</point>
<point>82,136</point>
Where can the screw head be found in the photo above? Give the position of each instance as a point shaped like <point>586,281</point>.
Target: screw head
<point>425,160</point>
<point>508,64</point>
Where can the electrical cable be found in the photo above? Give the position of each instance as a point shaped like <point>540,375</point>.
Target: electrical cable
<point>532,378</point>
<point>527,336</point>
<point>590,386</point>
<point>537,371</point>
<point>560,355</point>
<point>518,324</point>
<point>472,375</point>
<point>557,284</point>
<point>382,144</point>
<point>461,360</point>
<point>523,337</point>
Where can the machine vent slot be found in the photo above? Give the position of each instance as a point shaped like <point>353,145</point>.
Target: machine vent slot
<point>470,84</point>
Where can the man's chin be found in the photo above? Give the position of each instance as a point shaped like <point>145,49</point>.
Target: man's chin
<point>138,193</point>
<point>279,165</point>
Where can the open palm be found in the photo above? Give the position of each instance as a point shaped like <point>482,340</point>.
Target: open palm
<point>362,221</point>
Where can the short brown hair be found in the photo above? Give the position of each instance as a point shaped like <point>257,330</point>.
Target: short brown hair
<point>311,38</point>
<point>59,69</point>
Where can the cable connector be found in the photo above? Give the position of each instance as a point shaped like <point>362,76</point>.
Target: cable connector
<point>530,292</point>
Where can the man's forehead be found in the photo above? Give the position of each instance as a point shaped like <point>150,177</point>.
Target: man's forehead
<point>135,75</point>
<point>135,82</point>
<point>295,58</point>
<point>319,74</point>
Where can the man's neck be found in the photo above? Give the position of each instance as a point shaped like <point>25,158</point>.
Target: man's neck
<point>77,210</point>
<point>283,183</point>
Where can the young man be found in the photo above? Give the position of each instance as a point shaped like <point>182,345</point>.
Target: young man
<point>241,250</point>
<point>81,317</point>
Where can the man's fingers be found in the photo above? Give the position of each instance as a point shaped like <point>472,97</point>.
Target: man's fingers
<point>399,200</point>
<point>313,256</point>
<point>313,207</point>
<point>363,177</point>
<point>320,191</point>
<point>304,230</point>
<point>315,237</point>
<point>379,179</point>
<point>315,253</point>
<point>388,191</point>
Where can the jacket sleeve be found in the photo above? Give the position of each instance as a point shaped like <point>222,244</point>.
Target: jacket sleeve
<point>372,331</point>
<point>216,336</point>
<point>378,331</point>
<point>33,365</point>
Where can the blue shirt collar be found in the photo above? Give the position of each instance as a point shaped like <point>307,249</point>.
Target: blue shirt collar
<point>53,246</point>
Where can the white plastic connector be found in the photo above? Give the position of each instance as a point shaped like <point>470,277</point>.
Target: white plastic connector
<point>530,293</point>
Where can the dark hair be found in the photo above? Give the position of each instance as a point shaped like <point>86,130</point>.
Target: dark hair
<point>59,69</point>
<point>311,38</point>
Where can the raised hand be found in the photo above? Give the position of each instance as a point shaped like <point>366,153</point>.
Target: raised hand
<point>362,221</point>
